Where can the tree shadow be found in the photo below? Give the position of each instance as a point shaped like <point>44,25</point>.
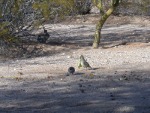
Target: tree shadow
<point>124,92</point>
<point>75,37</point>
<point>129,37</point>
<point>84,35</point>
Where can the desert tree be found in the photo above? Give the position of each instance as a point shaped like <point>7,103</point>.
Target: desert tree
<point>106,7</point>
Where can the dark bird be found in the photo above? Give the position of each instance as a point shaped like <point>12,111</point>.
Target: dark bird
<point>42,38</point>
<point>71,70</point>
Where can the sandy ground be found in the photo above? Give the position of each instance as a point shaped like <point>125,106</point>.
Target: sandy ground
<point>118,83</point>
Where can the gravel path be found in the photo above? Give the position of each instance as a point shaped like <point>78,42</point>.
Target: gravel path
<point>119,82</point>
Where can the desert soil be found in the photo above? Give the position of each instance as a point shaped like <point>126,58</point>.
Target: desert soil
<point>118,83</point>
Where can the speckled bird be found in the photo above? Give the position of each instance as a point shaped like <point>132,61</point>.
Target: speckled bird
<point>83,63</point>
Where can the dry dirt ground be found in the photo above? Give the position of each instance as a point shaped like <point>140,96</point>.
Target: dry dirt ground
<point>118,83</point>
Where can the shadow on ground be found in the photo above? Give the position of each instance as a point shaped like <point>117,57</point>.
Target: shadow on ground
<point>64,39</point>
<point>83,35</point>
<point>107,39</point>
<point>128,92</point>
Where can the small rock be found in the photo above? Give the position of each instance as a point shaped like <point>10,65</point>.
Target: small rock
<point>81,79</point>
<point>68,56</point>
<point>80,85</point>
<point>63,53</point>
<point>20,73</point>
<point>82,90</point>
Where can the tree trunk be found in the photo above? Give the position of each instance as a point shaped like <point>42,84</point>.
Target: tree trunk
<point>100,25</point>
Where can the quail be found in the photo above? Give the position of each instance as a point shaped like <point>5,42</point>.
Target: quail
<point>83,63</point>
<point>71,70</point>
<point>42,38</point>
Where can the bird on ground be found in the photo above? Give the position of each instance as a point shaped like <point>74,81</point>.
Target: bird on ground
<point>83,63</point>
<point>42,38</point>
<point>71,70</point>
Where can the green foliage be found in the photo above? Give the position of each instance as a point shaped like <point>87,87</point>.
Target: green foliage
<point>133,7</point>
<point>10,18</point>
<point>5,34</point>
<point>0,13</point>
<point>104,6</point>
<point>44,7</point>
<point>3,31</point>
<point>144,6</point>
<point>51,8</point>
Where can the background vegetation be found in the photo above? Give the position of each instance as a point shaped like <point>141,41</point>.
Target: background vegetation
<point>17,17</point>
